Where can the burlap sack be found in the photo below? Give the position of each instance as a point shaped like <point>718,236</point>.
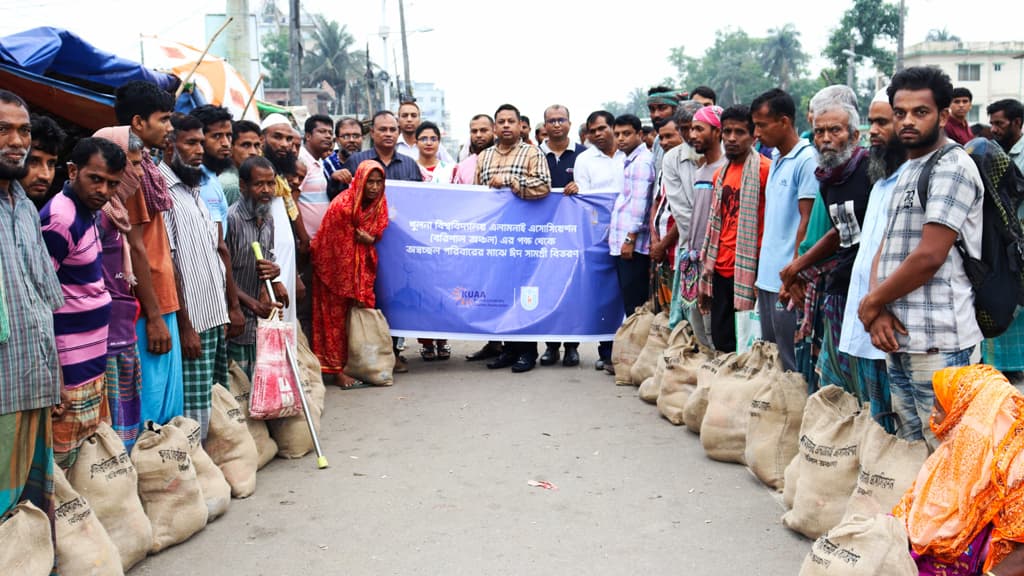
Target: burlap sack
<point>83,546</point>
<point>230,445</point>
<point>723,431</point>
<point>168,486</point>
<point>708,373</point>
<point>888,468</point>
<point>657,340</point>
<point>629,341</point>
<point>862,546</point>
<point>105,475</point>
<point>773,431</point>
<point>292,434</point>
<point>789,479</point>
<point>681,338</point>
<point>241,388</point>
<point>828,466</point>
<point>216,490</point>
<point>370,355</point>
<point>26,548</point>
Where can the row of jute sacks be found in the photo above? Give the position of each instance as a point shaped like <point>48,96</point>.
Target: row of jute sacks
<point>839,471</point>
<point>113,509</point>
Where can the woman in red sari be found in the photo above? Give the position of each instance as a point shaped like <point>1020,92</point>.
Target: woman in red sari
<point>345,264</point>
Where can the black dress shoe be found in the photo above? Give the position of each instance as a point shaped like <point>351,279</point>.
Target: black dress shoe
<point>550,357</point>
<point>504,360</point>
<point>490,350</point>
<point>601,363</point>
<point>572,358</point>
<point>524,363</point>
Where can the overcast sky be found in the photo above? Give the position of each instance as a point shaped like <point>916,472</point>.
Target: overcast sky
<point>532,53</point>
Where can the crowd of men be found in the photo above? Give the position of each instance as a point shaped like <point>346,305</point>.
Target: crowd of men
<point>126,290</point>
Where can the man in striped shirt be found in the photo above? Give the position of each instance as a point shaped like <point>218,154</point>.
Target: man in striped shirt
<point>203,316</point>
<point>69,230</point>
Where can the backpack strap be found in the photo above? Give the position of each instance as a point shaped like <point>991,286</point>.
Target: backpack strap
<point>925,179</point>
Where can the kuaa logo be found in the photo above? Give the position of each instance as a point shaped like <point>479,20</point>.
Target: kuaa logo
<point>467,297</point>
<point>529,297</point>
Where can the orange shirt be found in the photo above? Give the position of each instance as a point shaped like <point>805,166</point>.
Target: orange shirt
<point>158,251</point>
<point>730,206</point>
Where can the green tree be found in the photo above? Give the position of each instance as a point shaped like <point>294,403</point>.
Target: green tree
<point>732,66</point>
<point>275,59</point>
<point>782,55</point>
<point>866,26</point>
<point>330,58</point>
<point>936,35</point>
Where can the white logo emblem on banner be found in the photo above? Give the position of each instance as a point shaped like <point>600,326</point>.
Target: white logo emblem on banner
<point>529,297</point>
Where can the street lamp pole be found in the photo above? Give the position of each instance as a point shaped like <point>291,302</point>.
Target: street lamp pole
<point>384,31</point>
<point>405,49</point>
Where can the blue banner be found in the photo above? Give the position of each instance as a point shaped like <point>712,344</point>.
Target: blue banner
<point>468,262</point>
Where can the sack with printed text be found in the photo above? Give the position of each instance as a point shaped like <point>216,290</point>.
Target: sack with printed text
<point>216,490</point>
<point>230,445</point>
<point>723,431</point>
<point>105,475</point>
<point>26,548</point>
<point>83,546</point>
<point>888,468</point>
<point>829,437</point>
<point>682,359</point>
<point>168,486</point>
<point>874,545</point>
<point>709,373</point>
<point>657,340</point>
<point>629,341</point>
<point>650,389</point>
<point>292,434</point>
<point>241,388</point>
<point>773,430</point>
<point>275,390</point>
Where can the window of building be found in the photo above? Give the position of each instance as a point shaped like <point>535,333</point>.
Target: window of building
<point>997,67</point>
<point>974,116</point>
<point>968,72</point>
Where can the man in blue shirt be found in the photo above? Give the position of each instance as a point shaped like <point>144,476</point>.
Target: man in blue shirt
<point>561,156</point>
<point>789,197</point>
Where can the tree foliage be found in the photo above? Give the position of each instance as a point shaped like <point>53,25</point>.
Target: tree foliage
<point>330,58</point>
<point>275,59</point>
<point>943,35</point>
<point>869,25</point>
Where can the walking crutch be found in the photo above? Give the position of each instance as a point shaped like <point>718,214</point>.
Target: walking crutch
<point>321,460</point>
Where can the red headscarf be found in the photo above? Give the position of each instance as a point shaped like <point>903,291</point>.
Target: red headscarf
<point>344,266</point>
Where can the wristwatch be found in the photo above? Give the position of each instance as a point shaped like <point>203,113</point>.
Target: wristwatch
<point>628,240</point>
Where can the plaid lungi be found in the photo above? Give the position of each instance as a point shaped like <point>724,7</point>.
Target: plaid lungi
<point>244,356</point>
<point>124,384</point>
<point>85,406</point>
<point>833,367</point>
<point>199,375</point>
<point>873,376</point>
<point>26,461</point>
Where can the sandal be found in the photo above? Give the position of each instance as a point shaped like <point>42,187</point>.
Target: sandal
<point>428,353</point>
<point>444,352</point>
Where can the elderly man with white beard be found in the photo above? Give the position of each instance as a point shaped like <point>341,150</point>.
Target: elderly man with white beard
<point>845,188</point>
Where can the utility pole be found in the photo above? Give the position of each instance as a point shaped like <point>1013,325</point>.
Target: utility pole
<point>405,50</point>
<point>899,39</point>
<point>238,38</point>
<point>384,31</point>
<point>850,60</point>
<point>294,54</point>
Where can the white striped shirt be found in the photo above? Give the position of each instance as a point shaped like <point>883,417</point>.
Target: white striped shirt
<point>196,259</point>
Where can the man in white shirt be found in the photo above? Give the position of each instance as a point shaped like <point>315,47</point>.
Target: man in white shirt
<point>408,121</point>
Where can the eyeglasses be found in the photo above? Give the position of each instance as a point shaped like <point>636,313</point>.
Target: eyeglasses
<point>428,139</point>
<point>557,121</point>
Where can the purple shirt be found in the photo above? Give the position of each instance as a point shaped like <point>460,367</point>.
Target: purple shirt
<point>124,306</point>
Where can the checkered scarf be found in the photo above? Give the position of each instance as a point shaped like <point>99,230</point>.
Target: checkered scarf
<point>748,240</point>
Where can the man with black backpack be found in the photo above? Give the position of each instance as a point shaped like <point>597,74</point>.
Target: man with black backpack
<point>921,311</point>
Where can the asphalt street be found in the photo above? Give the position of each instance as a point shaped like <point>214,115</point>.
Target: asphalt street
<point>433,476</point>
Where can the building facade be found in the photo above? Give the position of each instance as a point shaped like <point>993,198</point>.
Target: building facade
<point>990,70</point>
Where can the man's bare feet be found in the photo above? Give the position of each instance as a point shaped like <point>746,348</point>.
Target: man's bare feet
<point>344,381</point>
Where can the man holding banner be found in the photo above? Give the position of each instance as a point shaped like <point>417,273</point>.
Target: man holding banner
<point>511,163</point>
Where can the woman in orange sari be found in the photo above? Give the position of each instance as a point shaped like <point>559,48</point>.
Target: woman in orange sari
<point>345,264</point>
<point>965,512</point>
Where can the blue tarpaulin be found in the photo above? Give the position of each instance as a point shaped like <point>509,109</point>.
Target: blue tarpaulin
<point>47,50</point>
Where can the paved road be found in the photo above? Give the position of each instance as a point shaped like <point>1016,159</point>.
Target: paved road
<point>430,477</point>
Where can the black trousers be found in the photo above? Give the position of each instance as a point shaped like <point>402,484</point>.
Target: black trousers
<point>723,314</point>
<point>568,345</point>
<point>517,349</point>
<point>634,280</point>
